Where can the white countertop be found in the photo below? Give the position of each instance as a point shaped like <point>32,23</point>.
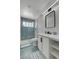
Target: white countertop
<point>51,36</point>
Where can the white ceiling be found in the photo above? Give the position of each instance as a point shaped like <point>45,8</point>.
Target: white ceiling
<point>33,8</point>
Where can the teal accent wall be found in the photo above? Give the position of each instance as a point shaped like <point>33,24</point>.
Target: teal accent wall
<point>27,32</point>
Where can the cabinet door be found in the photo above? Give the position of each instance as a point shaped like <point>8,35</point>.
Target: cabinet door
<point>46,47</point>
<point>40,43</point>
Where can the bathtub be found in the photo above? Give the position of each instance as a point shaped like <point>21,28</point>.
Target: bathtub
<point>26,43</point>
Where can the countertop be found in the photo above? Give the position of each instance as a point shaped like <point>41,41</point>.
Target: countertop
<point>51,36</point>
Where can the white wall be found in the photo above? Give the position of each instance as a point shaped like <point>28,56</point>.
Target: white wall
<point>41,22</point>
<point>41,25</point>
<point>56,29</point>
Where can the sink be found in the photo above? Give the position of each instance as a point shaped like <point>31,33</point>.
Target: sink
<point>54,33</point>
<point>47,32</point>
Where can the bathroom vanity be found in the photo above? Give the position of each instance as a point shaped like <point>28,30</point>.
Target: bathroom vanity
<point>49,45</point>
<point>48,32</point>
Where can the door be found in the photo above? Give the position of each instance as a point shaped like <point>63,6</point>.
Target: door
<point>46,47</point>
<point>40,43</point>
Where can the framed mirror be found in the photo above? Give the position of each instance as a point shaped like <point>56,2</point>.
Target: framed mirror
<point>50,20</point>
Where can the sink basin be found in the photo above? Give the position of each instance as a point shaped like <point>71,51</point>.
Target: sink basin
<point>54,33</point>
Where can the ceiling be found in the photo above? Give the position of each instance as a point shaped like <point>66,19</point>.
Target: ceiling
<point>33,8</point>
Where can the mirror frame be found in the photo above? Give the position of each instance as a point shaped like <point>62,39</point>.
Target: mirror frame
<point>54,20</point>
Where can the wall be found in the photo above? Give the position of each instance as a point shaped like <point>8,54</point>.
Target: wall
<point>27,32</point>
<point>35,23</point>
<point>41,25</point>
<point>41,22</point>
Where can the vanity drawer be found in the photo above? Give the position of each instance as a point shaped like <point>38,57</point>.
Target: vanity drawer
<point>54,44</point>
<point>53,49</point>
<point>52,57</point>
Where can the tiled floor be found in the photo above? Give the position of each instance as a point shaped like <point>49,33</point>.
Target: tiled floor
<point>30,53</point>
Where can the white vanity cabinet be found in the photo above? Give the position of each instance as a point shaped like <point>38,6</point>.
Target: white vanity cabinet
<point>43,45</point>
<point>53,49</point>
<point>49,47</point>
<point>40,43</point>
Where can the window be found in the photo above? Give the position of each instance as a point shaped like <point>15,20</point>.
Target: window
<point>28,24</point>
